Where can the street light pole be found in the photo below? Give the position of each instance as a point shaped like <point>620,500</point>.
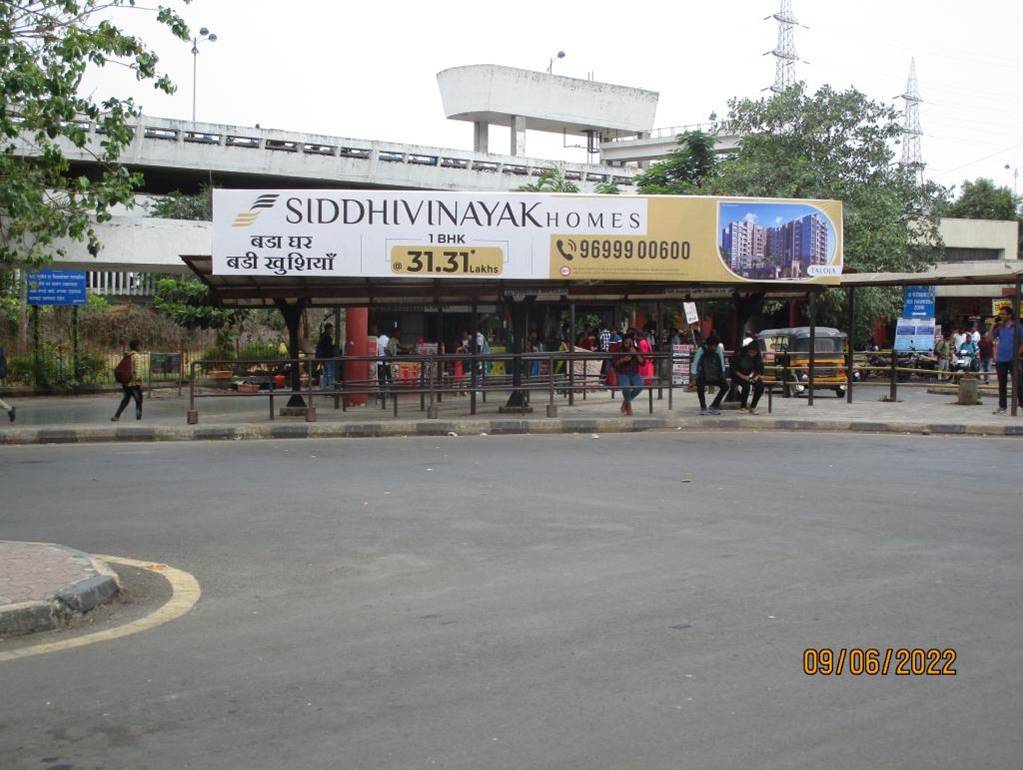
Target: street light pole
<point>550,64</point>
<point>204,34</point>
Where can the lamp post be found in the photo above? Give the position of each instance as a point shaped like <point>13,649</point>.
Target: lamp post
<point>550,65</point>
<point>204,34</point>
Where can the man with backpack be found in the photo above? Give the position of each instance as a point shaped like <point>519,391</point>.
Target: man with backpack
<point>129,375</point>
<point>709,369</point>
<point>3,375</point>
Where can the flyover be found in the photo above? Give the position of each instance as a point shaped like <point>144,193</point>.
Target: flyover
<point>169,151</point>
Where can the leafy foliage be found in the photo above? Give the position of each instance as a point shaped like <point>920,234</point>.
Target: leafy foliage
<point>178,205</point>
<point>551,180</point>
<point>688,167</point>
<point>840,145</point>
<point>982,199</point>
<point>45,48</point>
<point>188,302</point>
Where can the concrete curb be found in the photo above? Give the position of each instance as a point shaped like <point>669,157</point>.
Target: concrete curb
<point>476,426</point>
<point>67,605</point>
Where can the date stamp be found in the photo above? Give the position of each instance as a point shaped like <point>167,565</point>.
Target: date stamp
<point>879,661</point>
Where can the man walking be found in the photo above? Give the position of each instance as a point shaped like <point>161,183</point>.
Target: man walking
<point>129,374</point>
<point>1007,336</point>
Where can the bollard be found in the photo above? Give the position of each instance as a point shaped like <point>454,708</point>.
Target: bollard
<point>193,417</point>
<point>969,391</point>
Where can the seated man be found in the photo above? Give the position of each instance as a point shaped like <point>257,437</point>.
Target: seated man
<point>747,373</point>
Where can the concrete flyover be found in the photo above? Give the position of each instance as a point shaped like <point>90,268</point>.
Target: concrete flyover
<point>658,143</point>
<point>262,155</point>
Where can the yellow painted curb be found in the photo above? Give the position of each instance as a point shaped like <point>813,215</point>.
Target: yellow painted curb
<point>185,592</point>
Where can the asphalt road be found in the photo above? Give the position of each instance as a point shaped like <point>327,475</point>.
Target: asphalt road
<point>636,601</point>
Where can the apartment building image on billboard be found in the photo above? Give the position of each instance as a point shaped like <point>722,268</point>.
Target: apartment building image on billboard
<point>771,241</point>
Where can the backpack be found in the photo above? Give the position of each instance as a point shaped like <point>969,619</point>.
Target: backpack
<point>124,370</point>
<point>710,366</point>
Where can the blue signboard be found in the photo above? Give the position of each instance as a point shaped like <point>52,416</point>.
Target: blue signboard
<point>918,302</point>
<point>915,335</point>
<point>56,287</point>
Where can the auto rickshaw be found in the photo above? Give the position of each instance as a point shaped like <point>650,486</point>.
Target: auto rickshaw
<point>786,355</point>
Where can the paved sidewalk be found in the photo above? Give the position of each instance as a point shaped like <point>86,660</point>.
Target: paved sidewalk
<point>44,585</point>
<point>87,419</point>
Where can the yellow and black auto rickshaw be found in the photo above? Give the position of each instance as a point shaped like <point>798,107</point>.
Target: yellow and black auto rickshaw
<point>787,358</point>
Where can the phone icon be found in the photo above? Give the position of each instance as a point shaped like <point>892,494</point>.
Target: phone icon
<point>560,246</point>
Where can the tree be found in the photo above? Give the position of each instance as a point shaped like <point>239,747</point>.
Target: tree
<point>981,199</point>
<point>46,46</point>
<point>178,205</point>
<point>688,166</point>
<point>552,179</point>
<point>188,302</point>
<point>840,145</point>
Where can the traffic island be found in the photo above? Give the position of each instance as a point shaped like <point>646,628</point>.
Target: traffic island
<point>44,586</point>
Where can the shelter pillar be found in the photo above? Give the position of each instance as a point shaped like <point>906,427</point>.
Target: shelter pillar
<point>357,336</point>
<point>518,400</point>
<point>292,313</point>
<point>793,313</point>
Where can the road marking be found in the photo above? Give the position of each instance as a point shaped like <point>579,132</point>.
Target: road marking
<point>185,592</point>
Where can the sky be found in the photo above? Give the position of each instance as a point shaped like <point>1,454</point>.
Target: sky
<point>368,71</point>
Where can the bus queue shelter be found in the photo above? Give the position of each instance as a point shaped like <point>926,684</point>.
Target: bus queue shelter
<point>293,295</point>
<point>993,273</point>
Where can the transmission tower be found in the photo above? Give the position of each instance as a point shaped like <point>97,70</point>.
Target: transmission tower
<point>911,132</point>
<point>785,51</point>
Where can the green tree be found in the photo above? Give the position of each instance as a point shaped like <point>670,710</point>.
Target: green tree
<point>551,180</point>
<point>690,164</point>
<point>178,205</point>
<point>982,199</point>
<point>46,47</point>
<point>840,145</point>
<point>189,303</point>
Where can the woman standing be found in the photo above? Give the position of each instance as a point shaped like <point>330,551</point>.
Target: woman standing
<point>647,368</point>
<point>627,366</point>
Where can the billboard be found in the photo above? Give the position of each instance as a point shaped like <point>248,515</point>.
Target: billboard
<point>531,236</point>
<point>915,335</point>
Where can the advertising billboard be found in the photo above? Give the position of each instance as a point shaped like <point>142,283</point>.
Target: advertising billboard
<point>440,235</point>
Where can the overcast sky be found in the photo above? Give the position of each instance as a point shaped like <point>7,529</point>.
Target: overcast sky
<point>368,70</point>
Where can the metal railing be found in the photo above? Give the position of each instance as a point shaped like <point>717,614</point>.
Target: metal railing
<point>553,375</point>
<point>164,130</point>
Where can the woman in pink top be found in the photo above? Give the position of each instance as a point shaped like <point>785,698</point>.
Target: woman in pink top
<point>646,369</point>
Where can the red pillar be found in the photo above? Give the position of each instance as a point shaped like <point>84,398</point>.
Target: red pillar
<point>357,336</point>
<point>639,319</point>
<point>793,313</point>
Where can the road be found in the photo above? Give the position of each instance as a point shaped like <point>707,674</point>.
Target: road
<point>632,601</point>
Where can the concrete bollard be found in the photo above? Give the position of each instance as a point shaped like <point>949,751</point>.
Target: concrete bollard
<point>969,391</point>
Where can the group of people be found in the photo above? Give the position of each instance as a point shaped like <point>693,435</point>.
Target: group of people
<point>747,373</point>
<point>965,347</point>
